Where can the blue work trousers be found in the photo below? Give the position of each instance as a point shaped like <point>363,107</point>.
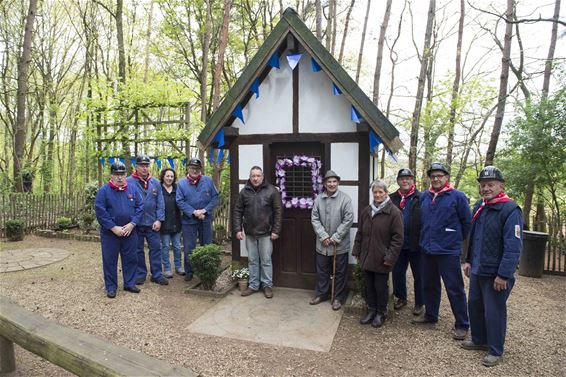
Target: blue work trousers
<point>191,232</point>
<point>407,257</point>
<point>154,244</point>
<point>259,261</point>
<point>448,268</point>
<point>125,247</point>
<point>173,239</point>
<point>488,312</point>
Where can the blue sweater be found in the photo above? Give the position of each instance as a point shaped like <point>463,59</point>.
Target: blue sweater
<point>445,223</point>
<point>496,240</point>
<point>117,208</point>
<point>191,197</point>
<point>153,204</point>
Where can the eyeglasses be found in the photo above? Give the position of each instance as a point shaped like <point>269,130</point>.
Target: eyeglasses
<point>437,176</point>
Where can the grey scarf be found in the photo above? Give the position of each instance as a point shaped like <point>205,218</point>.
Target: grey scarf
<point>375,210</point>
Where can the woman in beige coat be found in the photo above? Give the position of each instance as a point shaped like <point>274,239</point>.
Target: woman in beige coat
<point>377,245</point>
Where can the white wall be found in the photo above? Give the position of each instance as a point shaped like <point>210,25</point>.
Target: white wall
<point>352,192</point>
<point>344,160</point>
<point>248,156</point>
<point>272,112</point>
<point>320,111</point>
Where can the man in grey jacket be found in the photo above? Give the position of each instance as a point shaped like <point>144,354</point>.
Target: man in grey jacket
<point>332,217</point>
<point>258,214</point>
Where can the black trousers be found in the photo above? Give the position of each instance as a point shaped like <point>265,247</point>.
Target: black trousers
<point>323,272</point>
<point>377,291</point>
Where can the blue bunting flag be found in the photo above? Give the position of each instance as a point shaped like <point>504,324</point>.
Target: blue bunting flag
<point>336,90</point>
<point>315,66</point>
<point>238,113</point>
<point>355,115</point>
<point>274,60</point>
<point>122,160</point>
<point>158,162</point>
<point>255,87</point>
<point>374,141</point>
<point>293,60</point>
<point>133,161</point>
<point>184,162</point>
<point>111,160</point>
<point>391,155</point>
<point>102,161</point>
<point>220,137</point>
<point>171,162</point>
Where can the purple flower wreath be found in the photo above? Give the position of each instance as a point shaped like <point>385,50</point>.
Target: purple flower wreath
<point>280,173</point>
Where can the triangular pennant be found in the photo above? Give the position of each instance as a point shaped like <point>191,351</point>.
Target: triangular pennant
<point>255,87</point>
<point>122,160</point>
<point>274,60</point>
<point>184,162</point>
<point>315,66</point>
<point>211,155</point>
<point>102,161</point>
<point>133,161</point>
<point>391,155</point>
<point>294,60</point>
<point>111,160</point>
<point>374,141</point>
<point>355,115</point>
<point>220,137</point>
<point>220,156</point>
<point>171,162</point>
<point>158,162</point>
<point>238,113</point>
<point>336,90</point>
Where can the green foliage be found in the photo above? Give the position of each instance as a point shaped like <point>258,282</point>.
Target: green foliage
<point>63,223</point>
<point>219,233</point>
<point>90,191</point>
<point>15,230</point>
<point>86,221</point>
<point>359,280</point>
<point>206,264</point>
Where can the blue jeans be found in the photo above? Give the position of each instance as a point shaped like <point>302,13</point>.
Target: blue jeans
<point>175,240</point>
<point>259,261</point>
<point>407,257</point>
<point>201,230</point>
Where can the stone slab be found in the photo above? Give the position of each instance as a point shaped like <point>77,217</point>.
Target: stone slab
<point>285,320</point>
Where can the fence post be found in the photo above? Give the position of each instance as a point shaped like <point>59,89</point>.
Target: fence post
<point>7,356</point>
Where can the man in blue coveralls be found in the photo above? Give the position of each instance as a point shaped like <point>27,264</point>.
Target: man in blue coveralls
<point>445,223</point>
<point>496,240</point>
<point>197,197</point>
<point>148,228</point>
<point>118,209</point>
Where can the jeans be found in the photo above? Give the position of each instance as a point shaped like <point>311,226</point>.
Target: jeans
<point>259,261</point>
<point>407,257</point>
<point>201,230</point>
<point>175,240</point>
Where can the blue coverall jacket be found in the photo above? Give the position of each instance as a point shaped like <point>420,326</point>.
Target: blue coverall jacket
<point>193,197</point>
<point>118,208</point>
<point>153,204</point>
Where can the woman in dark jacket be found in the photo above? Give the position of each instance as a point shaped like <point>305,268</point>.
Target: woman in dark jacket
<point>377,245</point>
<point>171,227</point>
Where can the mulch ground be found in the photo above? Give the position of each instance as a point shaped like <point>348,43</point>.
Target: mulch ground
<point>155,322</point>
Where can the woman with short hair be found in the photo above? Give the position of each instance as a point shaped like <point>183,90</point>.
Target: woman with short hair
<point>377,245</point>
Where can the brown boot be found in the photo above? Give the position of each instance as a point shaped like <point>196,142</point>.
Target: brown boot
<point>248,292</point>
<point>268,292</point>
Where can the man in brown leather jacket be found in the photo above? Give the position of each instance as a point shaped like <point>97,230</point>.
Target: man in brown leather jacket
<point>258,214</point>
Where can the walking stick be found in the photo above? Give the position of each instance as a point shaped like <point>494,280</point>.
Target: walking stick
<point>333,274</point>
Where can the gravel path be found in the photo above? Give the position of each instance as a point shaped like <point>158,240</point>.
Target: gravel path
<point>155,322</point>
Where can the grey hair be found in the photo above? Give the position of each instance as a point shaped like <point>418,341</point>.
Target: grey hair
<point>379,183</point>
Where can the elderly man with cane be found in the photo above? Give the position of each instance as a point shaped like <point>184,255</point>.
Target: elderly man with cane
<point>332,217</point>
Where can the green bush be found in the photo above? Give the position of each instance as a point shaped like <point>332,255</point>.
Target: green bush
<point>85,222</point>
<point>219,233</point>
<point>360,280</point>
<point>90,191</point>
<point>15,230</point>
<point>63,223</point>
<point>206,264</point>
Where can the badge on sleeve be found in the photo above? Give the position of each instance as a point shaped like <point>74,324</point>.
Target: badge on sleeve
<point>518,231</point>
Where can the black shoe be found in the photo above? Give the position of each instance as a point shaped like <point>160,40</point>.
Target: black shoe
<point>188,277</point>
<point>399,303</point>
<point>378,320</point>
<point>133,289</point>
<point>160,281</point>
<point>368,318</point>
<point>140,281</point>
<point>111,294</point>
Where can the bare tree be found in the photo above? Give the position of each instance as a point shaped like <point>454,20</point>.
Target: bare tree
<point>345,34</point>
<point>223,42</point>
<point>318,17</point>
<point>207,32</point>
<point>420,87</point>
<point>379,59</point>
<point>361,53</point>
<point>504,79</point>
<point>23,69</point>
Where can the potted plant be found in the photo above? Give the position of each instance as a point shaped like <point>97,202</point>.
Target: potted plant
<point>206,264</point>
<point>242,275</point>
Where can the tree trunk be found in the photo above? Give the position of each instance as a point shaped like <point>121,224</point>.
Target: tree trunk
<point>223,42</point>
<point>420,88</point>
<point>550,57</point>
<point>504,78</point>
<point>20,132</point>
<point>529,192</point>
<point>379,59</point>
<point>393,57</point>
<point>329,26</point>
<point>120,38</point>
<point>147,43</point>
<point>344,35</point>
<point>361,53</point>
<point>318,16</point>
<point>205,52</point>
<point>455,86</point>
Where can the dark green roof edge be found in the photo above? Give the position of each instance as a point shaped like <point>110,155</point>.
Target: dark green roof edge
<point>291,21</point>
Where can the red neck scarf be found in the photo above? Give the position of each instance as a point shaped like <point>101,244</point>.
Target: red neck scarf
<point>194,181</point>
<point>447,187</point>
<point>404,197</point>
<point>118,188</point>
<point>145,181</point>
<point>499,198</point>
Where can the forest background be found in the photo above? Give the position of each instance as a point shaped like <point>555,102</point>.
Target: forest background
<point>468,83</point>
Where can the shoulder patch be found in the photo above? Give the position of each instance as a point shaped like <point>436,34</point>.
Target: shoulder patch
<point>518,231</point>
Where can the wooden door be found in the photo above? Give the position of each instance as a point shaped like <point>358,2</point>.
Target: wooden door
<point>294,252</point>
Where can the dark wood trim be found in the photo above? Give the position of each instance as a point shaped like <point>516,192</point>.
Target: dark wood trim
<point>363,172</point>
<point>234,193</point>
<point>344,182</point>
<point>296,100</point>
<point>327,156</point>
<point>267,169</point>
<point>346,137</point>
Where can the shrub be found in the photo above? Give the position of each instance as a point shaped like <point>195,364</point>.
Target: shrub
<point>63,223</point>
<point>219,233</point>
<point>360,280</point>
<point>15,230</point>
<point>85,222</point>
<point>206,264</point>
<point>90,195</point>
